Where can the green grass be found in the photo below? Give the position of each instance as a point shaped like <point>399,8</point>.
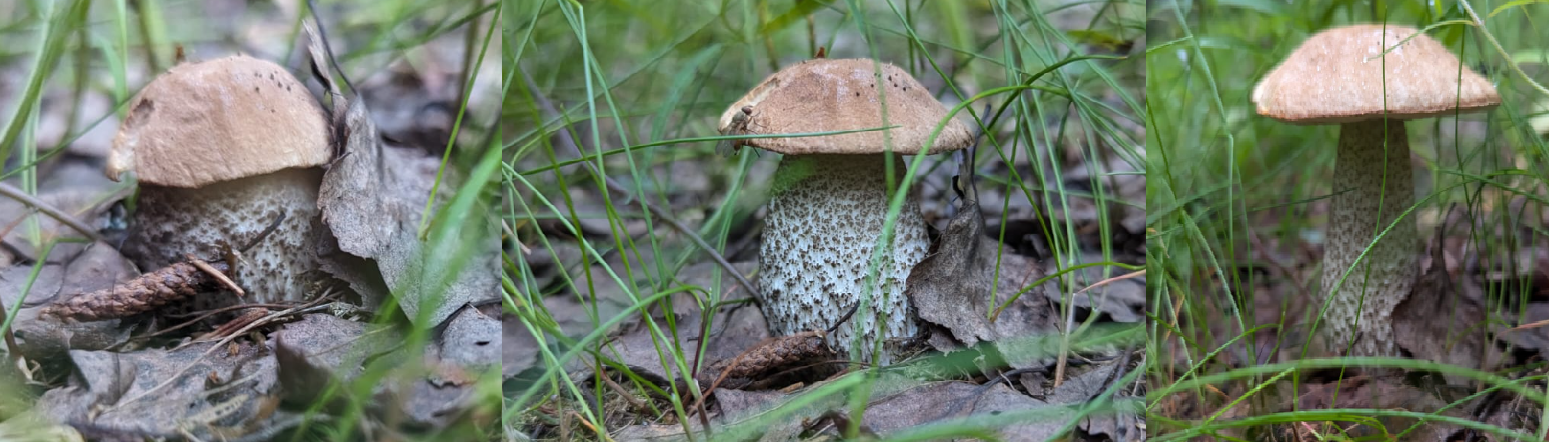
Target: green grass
<point>643,87</point>
<point>99,47</point>
<point>1234,189</point>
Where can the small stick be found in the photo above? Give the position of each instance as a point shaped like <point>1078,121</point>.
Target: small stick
<point>273,225</point>
<point>216,274</point>
<point>266,320</point>
<point>64,218</point>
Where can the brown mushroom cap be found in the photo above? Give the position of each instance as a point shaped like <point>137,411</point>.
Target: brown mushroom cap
<point>1336,76</point>
<point>220,120</point>
<point>825,95</point>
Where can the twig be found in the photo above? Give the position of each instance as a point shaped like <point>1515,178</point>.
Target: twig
<point>201,316</point>
<point>565,140</point>
<point>619,389</point>
<point>265,233</point>
<point>64,218</point>
<point>214,273</point>
<point>1059,367</point>
<point>266,320</point>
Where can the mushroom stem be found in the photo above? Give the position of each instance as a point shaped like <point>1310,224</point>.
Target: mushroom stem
<point>171,222</point>
<point>826,214</point>
<point>1369,203</point>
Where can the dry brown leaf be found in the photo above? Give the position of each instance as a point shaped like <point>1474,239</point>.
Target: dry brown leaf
<point>1435,324</point>
<point>372,198</point>
<point>219,396</point>
<point>956,286</point>
<point>1382,394</point>
<point>97,267</point>
<point>736,328</point>
<point>944,401</point>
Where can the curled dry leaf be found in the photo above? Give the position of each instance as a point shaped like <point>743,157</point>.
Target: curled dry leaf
<point>1435,324</point>
<point>956,286</point>
<point>371,199</point>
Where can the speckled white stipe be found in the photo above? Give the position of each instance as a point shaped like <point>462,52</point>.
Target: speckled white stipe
<point>1354,222</point>
<point>170,222</point>
<point>826,214</point>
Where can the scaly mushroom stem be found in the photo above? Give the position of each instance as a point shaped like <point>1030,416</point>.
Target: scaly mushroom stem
<point>1369,203</point>
<point>825,216</point>
<point>171,222</point>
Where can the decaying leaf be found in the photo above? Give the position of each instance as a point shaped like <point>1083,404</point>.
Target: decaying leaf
<point>471,339</point>
<point>1124,300</point>
<point>351,197</point>
<point>97,267</point>
<point>75,188</point>
<point>1383,394</point>
<point>957,286</point>
<point>164,393</point>
<point>320,349</point>
<point>898,403</point>
<point>1122,422</point>
<point>372,198</point>
<point>323,349</point>
<point>737,327</point>
<point>946,401</point>
<point>1436,324</point>
<point>518,349</point>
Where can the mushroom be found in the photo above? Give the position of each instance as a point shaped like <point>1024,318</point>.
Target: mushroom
<point>222,149</point>
<point>1337,76</point>
<point>830,194</point>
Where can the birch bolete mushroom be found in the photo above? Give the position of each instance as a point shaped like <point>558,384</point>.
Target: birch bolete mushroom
<point>1337,77</point>
<point>221,149</point>
<point>830,193</point>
